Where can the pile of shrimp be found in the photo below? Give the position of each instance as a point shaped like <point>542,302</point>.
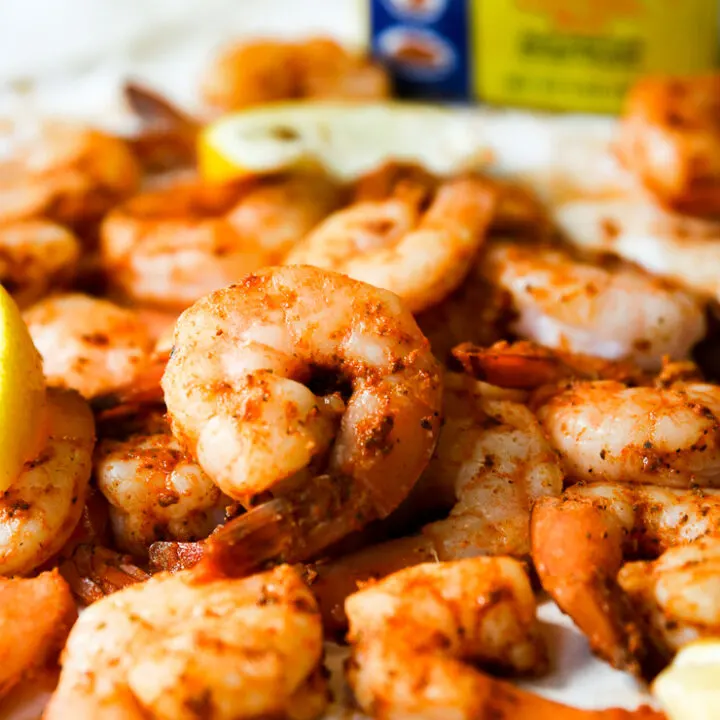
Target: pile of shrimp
<point>397,413</point>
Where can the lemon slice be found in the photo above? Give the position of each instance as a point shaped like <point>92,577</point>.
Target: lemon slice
<point>345,138</point>
<point>22,393</point>
<point>689,689</point>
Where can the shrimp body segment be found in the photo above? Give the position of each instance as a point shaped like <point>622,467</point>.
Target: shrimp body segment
<point>299,380</point>
<point>174,648</point>
<point>607,431</point>
<point>395,243</point>
<point>579,543</point>
<point>670,139</point>
<point>40,510</point>
<point>418,636</point>
<point>88,344</point>
<point>69,174</point>
<point>583,308</point>
<point>155,490</point>
<point>35,258</point>
<point>171,246</point>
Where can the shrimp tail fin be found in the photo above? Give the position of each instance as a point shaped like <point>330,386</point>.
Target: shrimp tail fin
<point>290,529</point>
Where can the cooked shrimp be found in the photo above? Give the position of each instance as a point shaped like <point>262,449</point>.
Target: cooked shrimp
<point>36,617</point>
<point>418,636</point>
<point>155,490</point>
<point>415,243</point>
<point>171,246</point>
<point>606,431</point>
<point>670,139</point>
<point>583,308</point>
<point>579,542</point>
<point>178,648</point>
<point>68,173</point>
<point>684,250</point>
<point>88,344</point>
<point>491,463</point>
<point>311,386</point>
<point>42,507</point>
<point>35,258</point>
<point>677,595</point>
<point>267,70</point>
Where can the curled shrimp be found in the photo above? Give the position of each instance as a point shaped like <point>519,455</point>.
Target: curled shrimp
<point>579,543</point>
<point>612,313</point>
<point>491,464</point>
<point>36,617</point>
<point>310,386</point>
<point>41,508</point>
<point>177,647</point>
<point>418,637</point>
<point>670,140</point>
<point>417,243</point>
<point>68,173</point>
<point>88,344</point>
<point>171,246</point>
<point>685,250</point>
<point>677,595</point>
<point>36,257</point>
<point>155,490</point>
<point>607,431</point>
<point>262,71</point>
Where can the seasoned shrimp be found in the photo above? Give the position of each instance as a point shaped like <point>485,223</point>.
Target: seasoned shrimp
<point>267,70</point>
<point>608,312</point>
<point>36,617</point>
<point>35,258</point>
<point>177,648</point>
<point>677,595</point>
<point>416,243</point>
<point>88,344</point>
<point>171,246</point>
<point>682,249</point>
<point>607,431</point>
<point>579,542</point>
<point>155,490</point>
<point>670,140</point>
<point>418,636</point>
<point>491,463</point>
<point>316,388</point>
<point>68,173</point>
<point>41,508</point>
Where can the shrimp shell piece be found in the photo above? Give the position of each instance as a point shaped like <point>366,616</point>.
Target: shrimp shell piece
<point>415,243</point>
<point>176,648</point>
<point>418,636</point>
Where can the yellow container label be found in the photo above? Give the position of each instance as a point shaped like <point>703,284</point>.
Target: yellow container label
<point>582,54</point>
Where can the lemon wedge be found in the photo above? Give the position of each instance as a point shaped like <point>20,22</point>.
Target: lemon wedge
<point>22,393</point>
<point>689,689</point>
<point>345,138</point>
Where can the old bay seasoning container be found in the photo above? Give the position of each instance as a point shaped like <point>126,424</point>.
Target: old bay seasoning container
<point>575,55</point>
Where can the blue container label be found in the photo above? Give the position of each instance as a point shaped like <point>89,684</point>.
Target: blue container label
<point>425,44</point>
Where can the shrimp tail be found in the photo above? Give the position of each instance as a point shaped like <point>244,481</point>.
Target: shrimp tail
<point>290,529</point>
